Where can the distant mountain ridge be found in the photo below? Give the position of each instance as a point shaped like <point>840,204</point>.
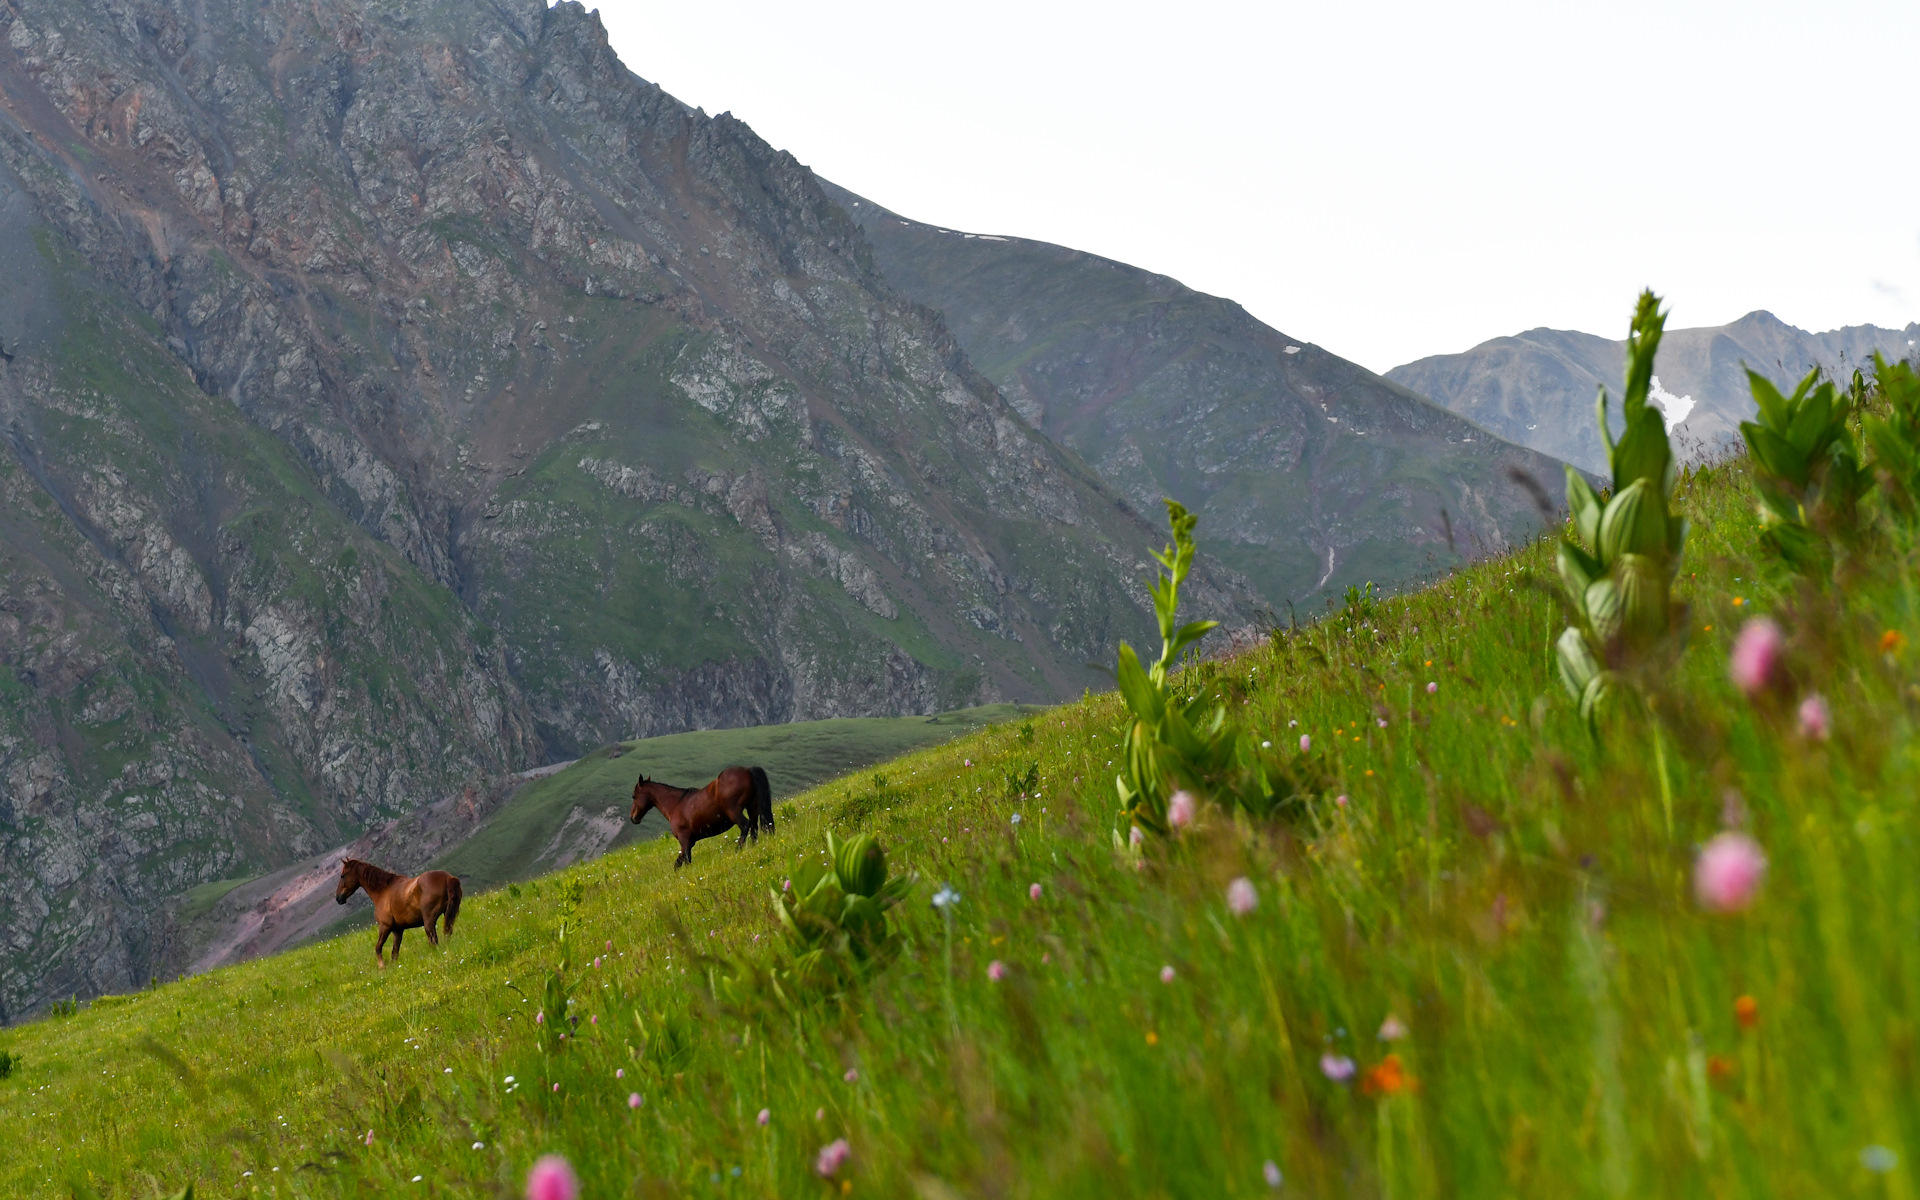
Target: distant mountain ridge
<point>1537,388</point>
<point>1310,473</point>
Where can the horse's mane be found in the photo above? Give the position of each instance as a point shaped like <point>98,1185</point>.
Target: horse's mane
<point>672,787</point>
<point>371,877</point>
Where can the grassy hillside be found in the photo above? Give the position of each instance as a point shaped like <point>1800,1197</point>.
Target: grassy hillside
<point>796,757</point>
<point>1476,966</point>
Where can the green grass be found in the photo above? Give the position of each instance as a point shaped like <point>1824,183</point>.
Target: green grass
<point>1514,892</point>
<point>796,757</point>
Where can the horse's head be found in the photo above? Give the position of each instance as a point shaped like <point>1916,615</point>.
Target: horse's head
<point>349,880</point>
<point>642,798</point>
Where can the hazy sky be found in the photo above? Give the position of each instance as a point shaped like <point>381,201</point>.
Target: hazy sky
<point>1387,180</point>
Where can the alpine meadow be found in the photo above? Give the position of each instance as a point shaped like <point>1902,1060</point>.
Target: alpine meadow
<point>1575,871</point>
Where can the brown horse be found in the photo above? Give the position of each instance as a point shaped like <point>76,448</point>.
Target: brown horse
<point>739,797</point>
<point>401,902</point>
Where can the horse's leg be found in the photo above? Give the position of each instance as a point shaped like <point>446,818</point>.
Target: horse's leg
<point>381,944</point>
<point>398,933</point>
<point>741,821</point>
<point>432,914</point>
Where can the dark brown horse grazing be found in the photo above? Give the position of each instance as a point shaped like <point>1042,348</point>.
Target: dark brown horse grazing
<point>401,902</point>
<point>738,797</point>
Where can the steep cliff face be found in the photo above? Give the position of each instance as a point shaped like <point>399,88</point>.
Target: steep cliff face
<point>1537,388</point>
<point>1310,473</point>
<point>400,396</point>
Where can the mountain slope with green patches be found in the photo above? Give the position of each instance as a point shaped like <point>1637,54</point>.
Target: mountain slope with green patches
<point>1312,473</point>
<point>398,401</point>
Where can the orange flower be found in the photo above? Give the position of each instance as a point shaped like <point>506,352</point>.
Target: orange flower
<point>1387,1079</point>
<point>1719,1068</point>
<point>1153,1039</point>
<point>1746,1010</point>
<point>1892,641</point>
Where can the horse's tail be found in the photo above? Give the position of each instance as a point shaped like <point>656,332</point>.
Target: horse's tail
<point>453,905</point>
<point>762,797</point>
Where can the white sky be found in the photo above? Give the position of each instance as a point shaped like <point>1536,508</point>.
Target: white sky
<point>1388,180</point>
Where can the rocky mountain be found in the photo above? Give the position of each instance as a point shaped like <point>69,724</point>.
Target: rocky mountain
<point>397,398</point>
<point>1537,388</point>
<point>1310,473</point>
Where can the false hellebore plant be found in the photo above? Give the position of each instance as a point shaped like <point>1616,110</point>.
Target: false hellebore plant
<point>838,916</point>
<point>1171,743</point>
<point>1809,472</point>
<point>1619,561</point>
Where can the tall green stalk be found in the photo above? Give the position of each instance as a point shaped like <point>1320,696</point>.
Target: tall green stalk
<point>1619,560</point>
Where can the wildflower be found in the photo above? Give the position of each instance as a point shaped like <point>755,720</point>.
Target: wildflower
<point>552,1179</point>
<point>369,1138</point>
<point>819,1114</point>
<point>540,1018</point>
<point>1720,1067</point>
<point>1432,687</point>
<point>946,897</point>
<point>1381,722</point>
<point>1879,1159</point>
<point>556,1087</point>
<point>1153,1039</point>
<point>1241,898</point>
<point>833,1156</point>
<point>786,885</point>
<point>1135,837</point>
<point>996,970</point>
<point>1341,801</point>
<point>1727,875</point>
<point>966,762</point>
<point>619,1072</point>
<point>1271,1173</point>
<point>1306,743</point>
<point>1337,1067</point>
<point>1746,1010</point>
<point>635,1100</point>
<point>596,962</point>
<point>1815,721</point>
<point>1016,818</point>
<point>766,1115</point>
<point>609,945</point>
<point>1389,1078</point>
<point>1392,1029</point>
<point>1180,809</point>
<point>1033,893</point>
<point>852,1075</point>
<point>1756,653</point>
<point>594,1020</point>
<point>1166,974</point>
<point>1891,641</point>
<point>479,1145</point>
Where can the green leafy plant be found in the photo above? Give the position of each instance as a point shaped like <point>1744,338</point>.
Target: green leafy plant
<point>1019,783</point>
<point>552,1025</point>
<point>1173,743</point>
<point>1807,467</point>
<point>1892,431</point>
<point>835,916</point>
<point>1619,560</point>
<point>1359,606</point>
<point>8,1062</point>
<point>667,1039</point>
